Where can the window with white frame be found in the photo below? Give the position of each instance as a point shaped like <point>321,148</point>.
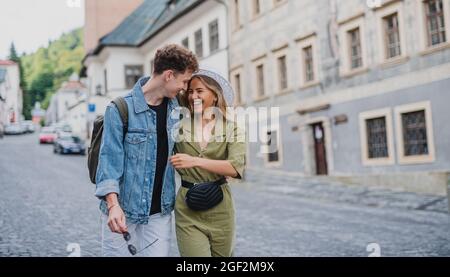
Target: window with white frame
<point>435,22</point>
<point>199,43</point>
<point>415,133</point>
<point>376,135</point>
<point>214,36</point>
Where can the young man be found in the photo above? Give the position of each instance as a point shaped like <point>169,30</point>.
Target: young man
<point>135,183</point>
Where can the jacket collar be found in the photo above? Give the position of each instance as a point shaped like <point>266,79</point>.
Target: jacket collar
<point>139,102</point>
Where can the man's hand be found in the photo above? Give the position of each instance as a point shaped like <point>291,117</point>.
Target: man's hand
<point>183,161</point>
<point>116,217</point>
<point>117,221</point>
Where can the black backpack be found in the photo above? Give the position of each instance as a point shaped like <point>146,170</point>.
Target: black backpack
<point>97,133</point>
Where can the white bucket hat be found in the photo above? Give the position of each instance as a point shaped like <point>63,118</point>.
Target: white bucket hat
<point>227,90</point>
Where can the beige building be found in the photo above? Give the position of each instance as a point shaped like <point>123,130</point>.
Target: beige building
<point>102,16</point>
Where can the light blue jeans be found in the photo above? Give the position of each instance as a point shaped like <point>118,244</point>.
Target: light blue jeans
<point>158,231</point>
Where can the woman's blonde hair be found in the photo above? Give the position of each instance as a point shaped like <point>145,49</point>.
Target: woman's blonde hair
<point>214,87</point>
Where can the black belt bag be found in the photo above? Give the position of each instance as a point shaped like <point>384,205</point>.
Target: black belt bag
<point>204,196</point>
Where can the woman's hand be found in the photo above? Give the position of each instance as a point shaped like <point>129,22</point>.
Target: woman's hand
<point>183,161</point>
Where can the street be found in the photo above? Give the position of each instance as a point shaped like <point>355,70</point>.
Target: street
<point>47,203</point>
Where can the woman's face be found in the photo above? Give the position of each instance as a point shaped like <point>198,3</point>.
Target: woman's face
<point>200,97</point>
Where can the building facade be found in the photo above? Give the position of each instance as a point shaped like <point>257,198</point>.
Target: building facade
<point>362,89</point>
<point>12,93</point>
<point>68,106</point>
<point>124,55</point>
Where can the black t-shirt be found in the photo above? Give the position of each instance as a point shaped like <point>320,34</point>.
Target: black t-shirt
<point>161,156</point>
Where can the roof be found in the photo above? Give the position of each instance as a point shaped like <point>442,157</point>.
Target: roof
<point>72,85</point>
<point>133,27</point>
<point>168,16</point>
<point>2,75</point>
<point>7,62</point>
<point>147,20</point>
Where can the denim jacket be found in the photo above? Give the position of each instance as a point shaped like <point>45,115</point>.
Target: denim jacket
<point>127,164</point>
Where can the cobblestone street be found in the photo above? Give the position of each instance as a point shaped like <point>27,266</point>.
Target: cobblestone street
<point>47,202</point>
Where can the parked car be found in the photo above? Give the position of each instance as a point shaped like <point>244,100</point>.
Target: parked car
<point>28,125</point>
<point>47,135</point>
<point>69,145</point>
<point>2,130</point>
<point>15,129</point>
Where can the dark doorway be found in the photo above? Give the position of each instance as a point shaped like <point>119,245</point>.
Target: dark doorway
<point>319,149</point>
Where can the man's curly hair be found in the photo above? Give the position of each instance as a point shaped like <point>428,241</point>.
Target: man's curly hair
<point>175,57</point>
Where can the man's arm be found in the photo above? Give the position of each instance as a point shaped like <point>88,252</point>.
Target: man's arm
<point>111,156</point>
<point>110,168</point>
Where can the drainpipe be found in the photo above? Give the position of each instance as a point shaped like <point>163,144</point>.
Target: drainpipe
<point>227,48</point>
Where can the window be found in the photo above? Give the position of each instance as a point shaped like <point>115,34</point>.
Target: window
<point>237,88</point>
<point>392,36</point>
<point>256,8</point>
<point>377,141</point>
<point>308,64</point>
<point>260,81</point>
<point>199,43</point>
<point>352,50</point>
<point>132,74</point>
<point>273,153</point>
<point>355,48</point>
<point>377,138</point>
<point>185,43</point>
<point>214,36</point>
<point>435,22</point>
<point>282,73</point>
<point>308,60</point>
<point>415,133</point>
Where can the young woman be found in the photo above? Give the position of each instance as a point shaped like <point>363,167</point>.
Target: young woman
<point>211,149</point>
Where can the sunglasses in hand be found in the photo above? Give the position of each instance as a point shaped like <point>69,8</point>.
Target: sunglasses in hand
<point>131,248</point>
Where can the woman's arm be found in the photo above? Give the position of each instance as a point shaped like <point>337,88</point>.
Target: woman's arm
<point>184,161</point>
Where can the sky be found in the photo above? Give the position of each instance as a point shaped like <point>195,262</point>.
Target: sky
<point>32,23</point>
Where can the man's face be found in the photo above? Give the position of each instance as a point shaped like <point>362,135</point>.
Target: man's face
<point>177,82</point>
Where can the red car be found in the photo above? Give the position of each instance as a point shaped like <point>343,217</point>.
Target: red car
<point>47,135</point>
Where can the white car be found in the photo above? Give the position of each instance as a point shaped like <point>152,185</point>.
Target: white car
<point>14,129</point>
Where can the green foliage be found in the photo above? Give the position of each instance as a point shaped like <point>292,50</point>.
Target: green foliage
<point>47,68</point>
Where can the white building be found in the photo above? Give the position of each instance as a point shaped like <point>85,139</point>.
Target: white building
<point>125,55</point>
<point>68,105</point>
<point>12,93</point>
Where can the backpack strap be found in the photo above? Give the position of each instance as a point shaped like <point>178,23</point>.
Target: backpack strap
<point>122,106</point>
